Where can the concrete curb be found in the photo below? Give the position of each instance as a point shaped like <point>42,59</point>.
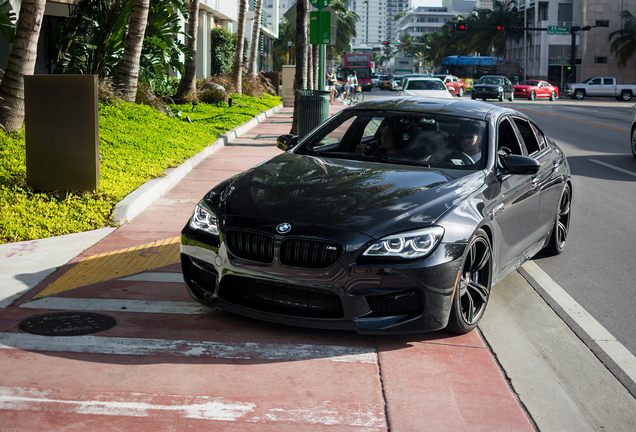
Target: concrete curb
<point>142,197</point>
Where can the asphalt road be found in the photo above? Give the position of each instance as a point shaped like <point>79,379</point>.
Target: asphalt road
<point>597,268</point>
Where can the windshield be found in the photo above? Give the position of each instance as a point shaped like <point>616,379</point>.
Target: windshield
<point>529,83</point>
<point>490,80</point>
<point>423,139</point>
<point>424,85</point>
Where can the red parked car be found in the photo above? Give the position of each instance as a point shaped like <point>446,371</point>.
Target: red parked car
<point>454,85</point>
<point>532,89</point>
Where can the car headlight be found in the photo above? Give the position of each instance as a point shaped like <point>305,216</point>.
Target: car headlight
<point>412,244</point>
<point>500,89</point>
<point>204,219</point>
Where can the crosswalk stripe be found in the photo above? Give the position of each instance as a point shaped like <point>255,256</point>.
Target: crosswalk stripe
<point>186,348</point>
<point>194,407</point>
<point>117,305</point>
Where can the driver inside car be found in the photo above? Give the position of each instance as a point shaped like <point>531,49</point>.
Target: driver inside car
<point>388,142</point>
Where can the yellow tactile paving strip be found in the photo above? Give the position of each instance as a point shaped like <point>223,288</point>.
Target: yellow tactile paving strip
<point>116,264</point>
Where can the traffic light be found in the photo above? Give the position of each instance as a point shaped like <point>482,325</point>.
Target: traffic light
<point>499,28</point>
<point>406,43</point>
<point>385,43</point>
<point>461,26</point>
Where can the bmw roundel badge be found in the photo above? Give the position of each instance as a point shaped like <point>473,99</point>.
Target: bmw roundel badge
<point>283,228</point>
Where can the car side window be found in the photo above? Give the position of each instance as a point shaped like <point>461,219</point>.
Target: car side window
<point>529,140</point>
<point>608,81</point>
<point>506,137</point>
<point>336,135</point>
<point>596,81</point>
<point>541,139</point>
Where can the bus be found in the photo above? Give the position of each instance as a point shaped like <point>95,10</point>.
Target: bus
<point>361,64</point>
<point>470,69</point>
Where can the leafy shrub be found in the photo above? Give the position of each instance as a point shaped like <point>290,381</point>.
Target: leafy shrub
<point>136,143</point>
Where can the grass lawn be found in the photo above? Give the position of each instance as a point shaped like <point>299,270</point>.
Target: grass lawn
<point>136,144</point>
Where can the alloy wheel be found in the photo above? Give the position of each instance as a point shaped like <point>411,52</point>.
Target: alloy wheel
<point>474,283</point>
<point>563,219</point>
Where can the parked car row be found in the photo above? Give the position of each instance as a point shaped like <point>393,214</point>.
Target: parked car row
<point>530,89</point>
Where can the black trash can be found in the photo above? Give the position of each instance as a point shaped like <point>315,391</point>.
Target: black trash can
<point>313,109</point>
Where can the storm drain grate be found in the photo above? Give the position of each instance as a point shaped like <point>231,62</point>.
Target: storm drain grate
<point>67,323</point>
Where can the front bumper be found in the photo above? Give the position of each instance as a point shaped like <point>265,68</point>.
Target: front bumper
<point>369,299</point>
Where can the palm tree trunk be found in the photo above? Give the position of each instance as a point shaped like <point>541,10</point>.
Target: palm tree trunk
<point>237,66</point>
<point>256,34</point>
<point>187,86</point>
<point>127,74</point>
<point>21,63</point>
<point>310,65</point>
<point>315,52</point>
<point>302,23</point>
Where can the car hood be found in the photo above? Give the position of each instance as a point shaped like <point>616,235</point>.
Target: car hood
<point>370,198</point>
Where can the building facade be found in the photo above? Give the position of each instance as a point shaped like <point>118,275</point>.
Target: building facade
<point>421,20</point>
<point>548,56</point>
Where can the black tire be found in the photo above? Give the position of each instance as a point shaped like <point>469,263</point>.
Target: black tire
<point>532,96</point>
<point>561,228</point>
<point>460,92</point>
<point>579,94</point>
<point>473,97</point>
<point>512,96</point>
<point>634,142</point>
<point>626,96</point>
<point>501,97</point>
<point>553,96</point>
<point>473,285</point>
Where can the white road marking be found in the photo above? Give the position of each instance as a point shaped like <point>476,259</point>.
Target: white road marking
<point>129,405</point>
<point>191,406</point>
<point>186,348</point>
<point>624,171</point>
<point>608,343</point>
<point>116,305</point>
<point>155,277</point>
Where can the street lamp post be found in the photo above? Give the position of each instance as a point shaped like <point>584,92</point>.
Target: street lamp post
<point>289,46</point>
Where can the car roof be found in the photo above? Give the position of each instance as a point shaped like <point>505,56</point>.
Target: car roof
<point>457,107</point>
<point>423,78</point>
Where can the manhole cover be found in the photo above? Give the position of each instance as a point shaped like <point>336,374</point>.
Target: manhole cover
<point>67,323</point>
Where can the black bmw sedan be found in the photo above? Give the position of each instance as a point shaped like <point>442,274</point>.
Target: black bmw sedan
<point>493,87</point>
<point>394,216</point>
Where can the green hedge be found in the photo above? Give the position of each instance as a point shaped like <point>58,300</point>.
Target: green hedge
<point>136,143</point>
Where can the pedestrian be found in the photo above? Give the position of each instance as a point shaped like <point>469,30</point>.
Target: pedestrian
<point>331,84</point>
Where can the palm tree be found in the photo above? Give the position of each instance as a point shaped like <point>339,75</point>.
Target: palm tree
<point>345,30</point>
<point>187,86</point>
<point>490,38</point>
<point>21,63</point>
<point>302,49</point>
<point>127,73</point>
<point>237,66</point>
<point>256,34</point>
<point>624,44</point>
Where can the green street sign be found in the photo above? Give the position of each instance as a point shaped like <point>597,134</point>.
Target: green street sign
<point>320,36</point>
<point>320,4</point>
<point>560,30</point>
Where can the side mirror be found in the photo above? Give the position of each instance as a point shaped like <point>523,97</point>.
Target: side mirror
<point>286,142</point>
<point>516,164</point>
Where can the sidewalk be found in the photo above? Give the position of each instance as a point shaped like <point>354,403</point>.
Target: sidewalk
<point>258,375</point>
